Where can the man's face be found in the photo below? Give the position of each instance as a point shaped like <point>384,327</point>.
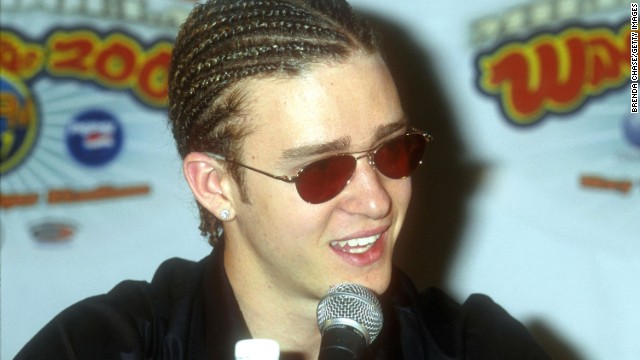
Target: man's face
<point>297,247</point>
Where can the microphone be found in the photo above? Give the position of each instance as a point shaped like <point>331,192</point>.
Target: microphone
<point>349,318</point>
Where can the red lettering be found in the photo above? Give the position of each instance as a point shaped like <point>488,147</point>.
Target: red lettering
<point>116,63</point>
<point>9,56</point>
<point>562,70</point>
<point>512,75</point>
<point>71,55</point>
<point>555,74</point>
<point>153,77</point>
<point>18,57</point>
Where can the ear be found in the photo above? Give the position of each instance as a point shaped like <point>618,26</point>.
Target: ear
<point>208,180</point>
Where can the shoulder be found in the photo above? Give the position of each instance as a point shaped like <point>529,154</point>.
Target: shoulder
<point>128,320</point>
<point>477,329</point>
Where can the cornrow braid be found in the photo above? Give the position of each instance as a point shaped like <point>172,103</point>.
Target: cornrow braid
<point>224,42</point>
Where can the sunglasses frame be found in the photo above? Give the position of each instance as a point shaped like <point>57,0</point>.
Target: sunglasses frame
<point>369,154</point>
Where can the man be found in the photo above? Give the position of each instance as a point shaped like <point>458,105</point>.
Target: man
<point>298,152</point>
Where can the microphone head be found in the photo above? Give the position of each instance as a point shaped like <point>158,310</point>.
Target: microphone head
<point>348,303</point>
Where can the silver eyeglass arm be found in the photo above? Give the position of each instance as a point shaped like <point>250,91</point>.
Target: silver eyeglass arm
<point>289,179</point>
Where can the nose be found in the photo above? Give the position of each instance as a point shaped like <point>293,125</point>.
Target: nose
<point>366,193</point>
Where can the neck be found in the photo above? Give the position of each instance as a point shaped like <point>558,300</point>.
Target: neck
<point>271,312</point>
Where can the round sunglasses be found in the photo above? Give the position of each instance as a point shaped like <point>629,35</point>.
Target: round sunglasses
<point>323,179</point>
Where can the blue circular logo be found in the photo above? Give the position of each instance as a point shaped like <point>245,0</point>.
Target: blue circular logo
<point>19,123</point>
<point>94,138</point>
<point>631,129</point>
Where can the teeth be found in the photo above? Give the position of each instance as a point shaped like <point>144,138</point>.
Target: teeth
<point>356,246</point>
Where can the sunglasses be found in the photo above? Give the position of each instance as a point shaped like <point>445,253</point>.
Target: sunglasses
<point>322,180</point>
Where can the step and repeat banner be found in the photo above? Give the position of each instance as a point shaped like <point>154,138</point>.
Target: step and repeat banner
<point>541,95</point>
<point>91,185</point>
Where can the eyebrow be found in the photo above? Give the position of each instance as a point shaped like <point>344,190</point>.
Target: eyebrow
<point>388,129</point>
<point>340,144</point>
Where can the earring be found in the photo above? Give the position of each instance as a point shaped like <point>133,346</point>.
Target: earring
<point>225,214</point>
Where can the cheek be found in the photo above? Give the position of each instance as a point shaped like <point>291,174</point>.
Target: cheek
<point>400,192</point>
<point>401,196</point>
<point>282,214</point>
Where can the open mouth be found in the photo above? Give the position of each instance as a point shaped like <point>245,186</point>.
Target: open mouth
<point>355,246</point>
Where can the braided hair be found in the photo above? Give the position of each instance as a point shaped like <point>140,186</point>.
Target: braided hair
<point>224,42</point>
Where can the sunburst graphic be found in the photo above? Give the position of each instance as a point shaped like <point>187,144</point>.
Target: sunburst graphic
<point>76,111</point>
<point>19,122</point>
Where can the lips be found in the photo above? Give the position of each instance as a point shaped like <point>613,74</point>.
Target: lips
<point>355,246</point>
<point>362,249</point>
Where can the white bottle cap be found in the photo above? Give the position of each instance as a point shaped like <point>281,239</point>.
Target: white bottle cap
<point>257,349</point>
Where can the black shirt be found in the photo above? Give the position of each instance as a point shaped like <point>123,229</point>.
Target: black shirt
<point>189,311</point>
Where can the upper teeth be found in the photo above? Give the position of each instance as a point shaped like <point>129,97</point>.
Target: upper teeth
<point>356,242</point>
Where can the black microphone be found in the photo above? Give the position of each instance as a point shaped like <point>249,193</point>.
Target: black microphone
<point>349,318</point>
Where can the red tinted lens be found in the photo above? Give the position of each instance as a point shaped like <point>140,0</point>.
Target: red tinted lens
<point>399,157</point>
<point>322,180</point>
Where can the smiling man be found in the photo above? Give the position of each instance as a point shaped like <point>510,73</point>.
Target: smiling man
<point>282,252</point>
<point>299,154</point>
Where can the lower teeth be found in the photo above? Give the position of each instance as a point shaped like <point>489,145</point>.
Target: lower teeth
<point>358,250</point>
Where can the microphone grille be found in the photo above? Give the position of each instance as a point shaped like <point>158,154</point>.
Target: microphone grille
<point>354,302</point>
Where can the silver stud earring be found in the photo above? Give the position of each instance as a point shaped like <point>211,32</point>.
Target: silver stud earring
<point>225,214</point>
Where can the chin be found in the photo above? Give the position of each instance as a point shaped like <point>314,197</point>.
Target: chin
<point>381,284</point>
<point>375,275</point>
<point>377,281</point>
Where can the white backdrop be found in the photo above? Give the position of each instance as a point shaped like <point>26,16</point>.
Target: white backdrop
<point>560,255</point>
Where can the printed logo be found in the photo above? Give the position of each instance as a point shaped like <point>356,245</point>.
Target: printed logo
<point>94,138</point>
<point>115,61</point>
<point>19,125</point>
<point>555,73</point>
